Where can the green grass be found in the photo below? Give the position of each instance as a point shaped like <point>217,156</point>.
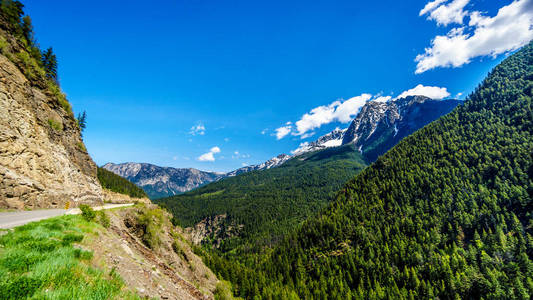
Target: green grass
<point>57,126</point>
<point>44,260</point>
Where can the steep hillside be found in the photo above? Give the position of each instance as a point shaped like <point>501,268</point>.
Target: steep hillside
<point>446,214</point>
<point>43,161</point>
<point>132,253</point>
<point>160,182</point>
<point>258,207</point>
<point>113,183</point>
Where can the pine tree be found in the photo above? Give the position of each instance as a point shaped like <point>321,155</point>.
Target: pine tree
<point>49,62</point>
<point>82,121</point>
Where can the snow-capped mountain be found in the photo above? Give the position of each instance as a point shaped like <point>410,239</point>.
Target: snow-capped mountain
<point>271,163</point>
<point>332,139</point>
<point>159,181</point>
<point>380,125</point>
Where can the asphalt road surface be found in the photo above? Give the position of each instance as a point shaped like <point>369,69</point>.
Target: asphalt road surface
<point>18,218</point>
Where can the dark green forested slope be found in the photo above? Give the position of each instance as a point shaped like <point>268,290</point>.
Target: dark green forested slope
<point>447,213</point>
<point>117,184</point>
<point>270,202</point>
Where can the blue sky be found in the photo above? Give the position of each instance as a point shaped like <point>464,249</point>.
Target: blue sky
<point>166,82</point>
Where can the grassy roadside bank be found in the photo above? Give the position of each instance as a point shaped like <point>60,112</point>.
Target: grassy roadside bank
<point>48,260</point>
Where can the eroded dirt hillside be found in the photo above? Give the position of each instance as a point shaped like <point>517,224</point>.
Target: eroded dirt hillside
<point>152,256</point>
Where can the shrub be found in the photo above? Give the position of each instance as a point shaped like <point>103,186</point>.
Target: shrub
<point>223,291</point>
<point>61,98</point>
<point>177,248</point>
<point>87,212</point>
<point>103,219</point>
<point>81,146</point>
<point>151,221</point>
<point>57,126</point>
<point>3,45</point>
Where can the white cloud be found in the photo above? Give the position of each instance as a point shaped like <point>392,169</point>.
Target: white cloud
<point>306,135</point>
<point>283,131</point>
<point>264,131</point>
<point>430,6</point>
<point>209,156</point>
<point>445,12</point>
<point>226,140</point>
<point>510,29</point>
<point>433,92</point>
<point>382,99</point>
<point>339,111</point>
<point>238,155</point>
<point>198,129</point>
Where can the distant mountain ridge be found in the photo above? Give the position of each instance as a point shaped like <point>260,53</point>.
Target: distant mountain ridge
<point>160,182</point>
<point>377,127</point>
<point>271,163</point>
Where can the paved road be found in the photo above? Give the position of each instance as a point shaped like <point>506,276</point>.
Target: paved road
<point>18,218</point>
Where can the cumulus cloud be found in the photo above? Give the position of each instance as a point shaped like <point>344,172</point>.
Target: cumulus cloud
<point>433,92</point>
<point>341,111</point>
<point>283,131</point>
<point>198,129</point>
<point>510,29</point>
<point>209,156</point>
<point>445,12</point>
<point>382,99</point>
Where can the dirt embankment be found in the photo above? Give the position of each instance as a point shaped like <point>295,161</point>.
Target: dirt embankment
<point>152,256</point>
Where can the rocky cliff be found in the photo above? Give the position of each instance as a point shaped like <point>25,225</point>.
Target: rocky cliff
<point>43,161</point>
<point>381,125</point>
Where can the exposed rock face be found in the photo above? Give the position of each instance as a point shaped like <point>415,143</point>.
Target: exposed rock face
<point>160,182</point>
<point>381,125</point>
<point>40,166</point>
<point>215,228</point>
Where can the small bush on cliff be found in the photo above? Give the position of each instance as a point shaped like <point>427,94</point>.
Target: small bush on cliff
<point>103,219</point>
<point>57,126</point>
<point>151,221</point>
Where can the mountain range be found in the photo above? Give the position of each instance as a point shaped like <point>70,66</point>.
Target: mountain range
<point>445,214</point>
<point>377,127</point>
<point>258,206</point>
